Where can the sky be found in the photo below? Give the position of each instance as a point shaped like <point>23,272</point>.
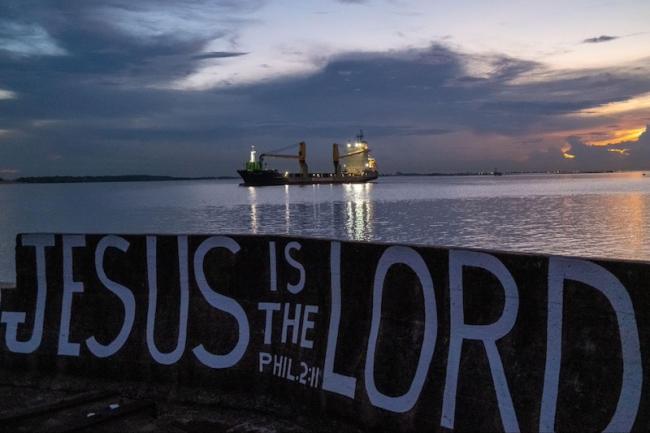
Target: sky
<point>185,87</point>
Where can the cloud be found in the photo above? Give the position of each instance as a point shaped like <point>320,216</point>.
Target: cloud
<point>24,39</point>
<point>7,94</point>
<point>120,42</point>
<point>639,102</point>
<point>599,39</point>
<point>218,55</point>
<point>151,21</point>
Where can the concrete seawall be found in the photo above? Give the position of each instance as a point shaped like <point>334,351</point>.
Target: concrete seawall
<point>390,337</point>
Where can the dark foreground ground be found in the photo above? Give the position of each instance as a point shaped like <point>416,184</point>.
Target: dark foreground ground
<point>30,404</point>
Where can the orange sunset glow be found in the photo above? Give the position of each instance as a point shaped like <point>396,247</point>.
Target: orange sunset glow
<point>640,102</point>
<point>617,137</point>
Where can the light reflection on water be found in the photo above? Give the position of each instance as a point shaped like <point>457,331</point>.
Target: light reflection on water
<point>590,215</point>
<point>359,216</point>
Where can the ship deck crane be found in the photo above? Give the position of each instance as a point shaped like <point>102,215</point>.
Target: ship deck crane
<point>301,157</point>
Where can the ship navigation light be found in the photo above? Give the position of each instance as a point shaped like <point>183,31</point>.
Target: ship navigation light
<point>253,153</point>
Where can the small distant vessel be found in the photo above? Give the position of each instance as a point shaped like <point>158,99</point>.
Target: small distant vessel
<point>497,173</point>
<point>359,167</point>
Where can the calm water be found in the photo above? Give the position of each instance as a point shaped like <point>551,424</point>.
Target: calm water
<point>602,215</point>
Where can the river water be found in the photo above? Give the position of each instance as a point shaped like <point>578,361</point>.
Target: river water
<point>594,215</point>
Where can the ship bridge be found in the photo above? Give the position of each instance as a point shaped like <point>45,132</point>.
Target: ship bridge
<point>357,158</point>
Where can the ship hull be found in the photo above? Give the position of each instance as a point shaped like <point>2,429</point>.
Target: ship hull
<point>273,177</point>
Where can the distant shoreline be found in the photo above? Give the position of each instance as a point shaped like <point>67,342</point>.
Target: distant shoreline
<point>104,179</point>
<point>150,178</point>
<point>491,173</point>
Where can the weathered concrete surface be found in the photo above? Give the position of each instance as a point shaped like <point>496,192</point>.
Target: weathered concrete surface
<point>179,410</point>
<point>385,337</point>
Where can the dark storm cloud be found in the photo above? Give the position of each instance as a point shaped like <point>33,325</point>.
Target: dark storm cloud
<point>218,55</point>
<point>97,108</point>
<point>599,39</point>
<point>131,43</point>
<point>117,32</point>
<point>431,87</point>
<point>106,72</point>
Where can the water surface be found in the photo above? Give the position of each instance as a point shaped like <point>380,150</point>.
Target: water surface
<point>601,215</point>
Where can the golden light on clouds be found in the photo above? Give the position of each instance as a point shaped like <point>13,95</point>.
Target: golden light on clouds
<point>622,152</point>
<point>617,137</point>
<point>565,151</point>
<point>637,103</point>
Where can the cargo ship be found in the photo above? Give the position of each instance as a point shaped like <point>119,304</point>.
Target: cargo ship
<point>354,166</point>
